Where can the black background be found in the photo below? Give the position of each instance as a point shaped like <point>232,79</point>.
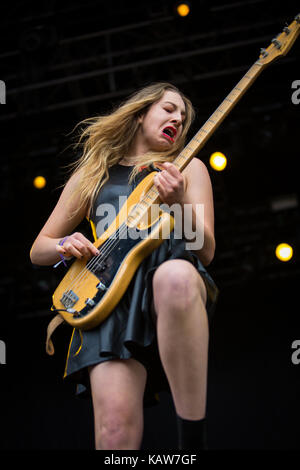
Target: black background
<point>65,61</point>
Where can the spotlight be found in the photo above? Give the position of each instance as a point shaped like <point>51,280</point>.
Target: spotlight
<point>39,182</point>
<point>284,252</point>
<point>218,161</point>
<point>183,9</point>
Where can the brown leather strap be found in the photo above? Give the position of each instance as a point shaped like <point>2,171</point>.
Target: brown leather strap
<point>55,322</point>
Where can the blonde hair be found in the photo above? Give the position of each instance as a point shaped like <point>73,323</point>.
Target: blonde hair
<point>107,139</point>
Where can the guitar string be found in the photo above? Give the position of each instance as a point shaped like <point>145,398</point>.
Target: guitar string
<point>111,244</point>
<point>95,260</point>
<point>101,256</point>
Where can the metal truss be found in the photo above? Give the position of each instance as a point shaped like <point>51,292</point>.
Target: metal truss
<point>52,72</point>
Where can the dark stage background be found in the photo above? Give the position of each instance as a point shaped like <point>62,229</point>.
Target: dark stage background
<point>66,61</point>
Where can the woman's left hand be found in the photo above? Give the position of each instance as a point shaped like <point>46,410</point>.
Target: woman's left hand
<point>170,184</point>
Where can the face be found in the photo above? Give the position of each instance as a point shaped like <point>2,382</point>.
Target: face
<point>161,126</point>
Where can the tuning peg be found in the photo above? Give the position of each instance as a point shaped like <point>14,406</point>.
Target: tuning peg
<point>297,18</point>
<point>263,52</point>
<point>286,30</point>
<point>276,43</point>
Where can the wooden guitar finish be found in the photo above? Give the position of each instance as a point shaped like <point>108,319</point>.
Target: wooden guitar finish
<point>90,290</point>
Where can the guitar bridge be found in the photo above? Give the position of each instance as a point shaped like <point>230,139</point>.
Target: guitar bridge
<point>69,299</point>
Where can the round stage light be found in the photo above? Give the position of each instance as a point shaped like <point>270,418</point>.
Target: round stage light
<point>183,9</point>
<point>218,161</point>
<point>39,182</point>
<point>284,252</point>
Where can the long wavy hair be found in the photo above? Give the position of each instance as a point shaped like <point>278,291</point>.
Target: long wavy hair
<point>106,139</point>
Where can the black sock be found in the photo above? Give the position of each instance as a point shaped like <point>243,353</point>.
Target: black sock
<point>191,434</point>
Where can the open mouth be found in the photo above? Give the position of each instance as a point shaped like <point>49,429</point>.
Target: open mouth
<point>170,133</point>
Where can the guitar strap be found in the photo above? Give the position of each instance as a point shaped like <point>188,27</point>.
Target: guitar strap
<point>55,322</point>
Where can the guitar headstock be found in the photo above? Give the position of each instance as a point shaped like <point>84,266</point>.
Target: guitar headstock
<point>282,43</point>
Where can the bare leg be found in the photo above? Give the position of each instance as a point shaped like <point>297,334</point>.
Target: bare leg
<point>117,390</point>
<point>182,331</point>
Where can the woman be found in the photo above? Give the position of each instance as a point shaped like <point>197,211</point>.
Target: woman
<point>157,336</point>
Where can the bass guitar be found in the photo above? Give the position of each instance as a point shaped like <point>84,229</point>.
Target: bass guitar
<point>90,290</point>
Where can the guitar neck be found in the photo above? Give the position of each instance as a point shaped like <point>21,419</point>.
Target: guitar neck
<point>278,47</point>
<point>202,136</point>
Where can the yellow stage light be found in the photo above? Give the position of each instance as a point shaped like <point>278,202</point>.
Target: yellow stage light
<point>39,182</point>
<point>218,161</point>
<point>284,252</point>
<point>183,9</point>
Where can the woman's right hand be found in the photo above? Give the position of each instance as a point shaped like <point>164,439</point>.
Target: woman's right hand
<point>77,245</point>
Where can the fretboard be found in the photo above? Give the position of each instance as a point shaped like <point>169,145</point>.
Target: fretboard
<point>202,136</point>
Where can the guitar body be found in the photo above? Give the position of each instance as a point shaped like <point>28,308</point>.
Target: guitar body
<point>90,290</point>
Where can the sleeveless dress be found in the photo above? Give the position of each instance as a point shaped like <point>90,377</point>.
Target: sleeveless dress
<point>130,330</point>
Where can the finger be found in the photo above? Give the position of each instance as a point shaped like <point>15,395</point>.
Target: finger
<point>86,242</point>
<point>160,187</point>
<point>164,182</point>
<point>169,178</point>
<point>172,169</point>
<point>174,176</point>
<point>70,250</point>
<point>170,185</point>
<point>82,248</point>
<point>60,250</point>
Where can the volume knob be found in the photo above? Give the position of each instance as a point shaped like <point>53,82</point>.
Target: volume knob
<point>90,302</point>
<point>101,286</point>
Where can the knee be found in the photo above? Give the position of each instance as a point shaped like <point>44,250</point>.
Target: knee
<point>177,284</point>
<point>112,434</point>
<point>115,430</point>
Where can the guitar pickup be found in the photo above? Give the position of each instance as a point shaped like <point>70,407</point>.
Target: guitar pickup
<point>69,299</point>
<point>98,267</point>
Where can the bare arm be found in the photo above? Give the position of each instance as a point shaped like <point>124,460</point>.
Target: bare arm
<point>199,191</point>
<point>45,249</point>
